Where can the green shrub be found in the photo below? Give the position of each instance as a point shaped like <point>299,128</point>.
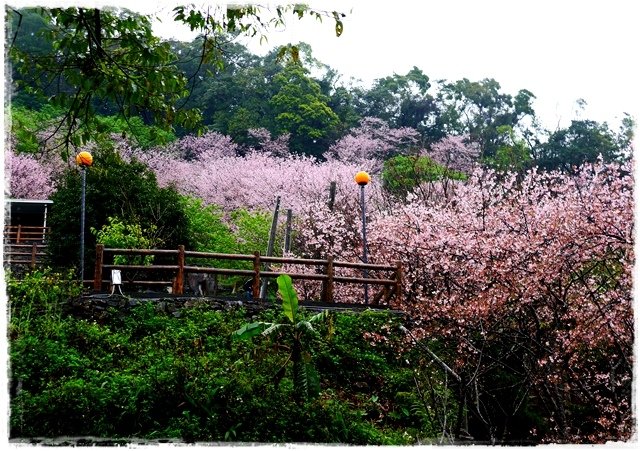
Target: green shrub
<point>118,235</point>
<point>403,173</point>
<point>143,135</point>
<point>27,123</point>
<point>208,231</point>
<point>36,299</point>
<point>114,188</point>
<point>151,375</point>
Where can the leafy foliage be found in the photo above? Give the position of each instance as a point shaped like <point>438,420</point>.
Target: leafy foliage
<point>581,142</point>
<point>300,109</point>
<point>237,92</point>
<point>118,235</point>
<point>478,109</point>
<point>105,55</point>
<point>150,375</point>
<point>404,101</point>
<point>403,174</point>
<point>206,227</point>
<point>210,229</point>
<point>27,126</point>
<point>511,155</point>
<point>109,55</point>
<point>114,188</point>
<point>293,332</point>
<point>37,299</point>
<point>134,130</point>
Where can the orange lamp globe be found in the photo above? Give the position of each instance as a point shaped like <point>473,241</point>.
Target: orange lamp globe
<point>84,159</point>
<point>362,178</point>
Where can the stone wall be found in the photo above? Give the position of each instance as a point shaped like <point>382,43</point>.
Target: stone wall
<point>101,306</point>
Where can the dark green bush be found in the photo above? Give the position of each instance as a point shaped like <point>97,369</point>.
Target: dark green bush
<point>114,188</point>
<point>151,375</point>
<point>403,173</point>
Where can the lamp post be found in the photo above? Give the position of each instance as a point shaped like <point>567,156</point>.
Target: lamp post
<point>362,179</point>
<point>84,160</point>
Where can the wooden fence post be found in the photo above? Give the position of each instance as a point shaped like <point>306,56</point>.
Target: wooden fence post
<point>255,289</point>
<point>398,286</point>
<point>328,292</point>
<point>97,275</point>
<point>178,284</point>
<point>270,244</point>
<point>18,234</point>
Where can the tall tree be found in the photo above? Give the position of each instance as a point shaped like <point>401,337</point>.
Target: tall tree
<point>343,99</point>
<point>31,41</point>
<point>403,101</point>
<point>112,55</point>
<point>583,141</point>
<point>478,109</point>
<point>237,98</point>
<point>302,110</point>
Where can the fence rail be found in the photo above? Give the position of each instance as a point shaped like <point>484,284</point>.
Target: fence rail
<point>17,234</point>
<point>24,254</point>
<point>390,284</point>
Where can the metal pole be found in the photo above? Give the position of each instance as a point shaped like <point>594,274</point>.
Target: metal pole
<point>365,258</point>
<point>84,181</point>
<point>44,225</point>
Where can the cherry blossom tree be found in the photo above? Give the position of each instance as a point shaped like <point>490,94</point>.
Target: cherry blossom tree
<point>526,280</point>
<point>521,283</point>
<point>218,175</point>
<point>455,152</point>
<point>374,141</point>
<point>208,146</point>
<point>278,147</point>
<point>27,177</point>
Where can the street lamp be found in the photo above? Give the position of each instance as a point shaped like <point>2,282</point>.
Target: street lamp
<point>362,179</point>
<point>84,160</point>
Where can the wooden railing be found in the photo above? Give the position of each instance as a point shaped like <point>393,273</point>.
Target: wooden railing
<point>390,285</point>
<point>20,234</point>
<point>24,254</point>
<point>24,245</point>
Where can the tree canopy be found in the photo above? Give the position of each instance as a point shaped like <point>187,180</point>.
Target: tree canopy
<point>515,244</point>
<point>74,66</point>
<point>91,56</point>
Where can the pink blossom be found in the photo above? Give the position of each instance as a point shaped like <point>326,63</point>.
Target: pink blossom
<point>373,140</point>
<point>27,177</point>
<point>455,152</point>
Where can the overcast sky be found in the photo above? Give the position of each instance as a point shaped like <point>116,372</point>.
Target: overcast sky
<point>561,50</point>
